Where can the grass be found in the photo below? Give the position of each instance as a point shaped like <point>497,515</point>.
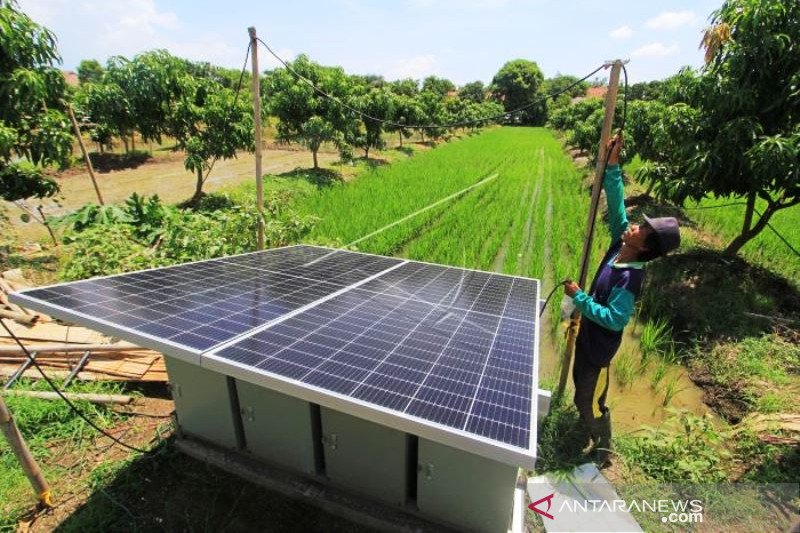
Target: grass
<point>526,221</point>
<point>756,374</point>
<point>767,249</point>
<point>54,435</point>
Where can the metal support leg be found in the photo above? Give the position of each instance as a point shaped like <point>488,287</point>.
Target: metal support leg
<point>81,363</point>
<point>21,370</point>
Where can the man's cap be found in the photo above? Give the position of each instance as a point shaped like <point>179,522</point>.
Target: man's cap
<point>667,232</point>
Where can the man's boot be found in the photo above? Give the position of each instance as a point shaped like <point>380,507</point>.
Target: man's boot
<point>602,429</point>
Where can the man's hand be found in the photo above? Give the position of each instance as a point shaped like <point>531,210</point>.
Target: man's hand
<point>614,146</point>
<point>571,288</point>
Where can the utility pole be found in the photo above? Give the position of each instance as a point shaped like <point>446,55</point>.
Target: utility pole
<point>86,159</point>
<point>257,122</point>
<point>599,170</point>
<point>26,460</point>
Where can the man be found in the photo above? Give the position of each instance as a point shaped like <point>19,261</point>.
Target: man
<point>609,303</point>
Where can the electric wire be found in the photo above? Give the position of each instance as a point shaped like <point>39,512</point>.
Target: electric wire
<point>759,213</point>
<point>66,400</point>
<point>550,295</point>
<point>235,101</point>
<point>457,124</point>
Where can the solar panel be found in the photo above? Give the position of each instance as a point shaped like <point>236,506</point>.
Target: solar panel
<point>446,347</point>
<point>193,307</point>
<point>441,352</point>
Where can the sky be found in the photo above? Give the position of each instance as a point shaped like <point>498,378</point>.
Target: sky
<point>463,40</point>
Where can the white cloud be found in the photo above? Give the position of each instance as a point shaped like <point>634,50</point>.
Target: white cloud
<point>456,4</point>
<point>655,50</point>
<point>671,20</point>
<point>623,32</point>
<point>415,67</point>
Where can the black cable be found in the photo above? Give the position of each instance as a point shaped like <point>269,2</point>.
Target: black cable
<point>769,225</point>
<point>363,115</point>
<point>66,400</point>
<point>235,101</point>
<point>547,300</point>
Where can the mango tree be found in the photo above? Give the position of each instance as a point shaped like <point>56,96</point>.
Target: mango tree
<point>34,130</point>
<point>304,115</point>
<point>735,131</point>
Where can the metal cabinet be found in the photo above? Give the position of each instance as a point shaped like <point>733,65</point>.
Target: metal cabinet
<point>279,428</point>
<point>465,490</point>
<point>365,457</point>
<point>203,403</point>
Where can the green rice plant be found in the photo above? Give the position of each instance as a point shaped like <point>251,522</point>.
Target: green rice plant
<point>655,338</point>
<point>671,388</point>
<point>659,372</point>
<point>625,368</point>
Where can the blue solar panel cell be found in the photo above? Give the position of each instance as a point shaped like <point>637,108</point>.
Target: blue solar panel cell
<point>201,305</point>
<point>426,341</point>
<point>437,345</point>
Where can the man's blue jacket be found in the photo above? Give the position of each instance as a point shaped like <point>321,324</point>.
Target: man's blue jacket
<point>609,303</point>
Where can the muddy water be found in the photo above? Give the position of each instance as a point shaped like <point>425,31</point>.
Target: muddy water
<point>637,403</point>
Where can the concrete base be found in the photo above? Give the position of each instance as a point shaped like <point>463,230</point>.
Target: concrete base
<point>361,511</point>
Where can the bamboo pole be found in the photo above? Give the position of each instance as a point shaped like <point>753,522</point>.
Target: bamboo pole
<point>64,348</point>
<point>86,159</point>
<point>47,225</point>
<point>23,454</point>
<point>257,125</point>
<point>605,135</point>
<point>102,399</point>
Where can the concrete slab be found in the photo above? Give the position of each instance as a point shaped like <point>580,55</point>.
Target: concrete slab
<point>583,500</point>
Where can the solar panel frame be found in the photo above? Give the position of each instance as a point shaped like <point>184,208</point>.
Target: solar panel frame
<point>458,438</point>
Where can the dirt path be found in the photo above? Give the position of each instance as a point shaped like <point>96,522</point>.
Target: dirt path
<point>166,177</point>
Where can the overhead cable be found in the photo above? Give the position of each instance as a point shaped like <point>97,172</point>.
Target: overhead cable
<point>458,124</point>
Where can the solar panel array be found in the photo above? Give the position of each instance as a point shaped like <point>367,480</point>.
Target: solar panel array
<point>201,305</point>
<point>444,346</point>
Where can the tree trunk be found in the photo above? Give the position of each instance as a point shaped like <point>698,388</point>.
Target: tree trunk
<point>748,212</point>
<point>366,153</point>
<point>133,142</point>
<point>747,234</point>
<point>198,190</point>
<point>125,142</point>
<point>316,163</point>
<point>422,134</point>
<point>401,139</point>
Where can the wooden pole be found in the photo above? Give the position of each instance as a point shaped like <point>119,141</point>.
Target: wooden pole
<point>47,225</point>
<point>23,454</point>
<point>85,153</point>
<point>257,123</point>
<point>597,186</point>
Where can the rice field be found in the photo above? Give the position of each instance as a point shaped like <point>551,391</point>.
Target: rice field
<point>526,221</point>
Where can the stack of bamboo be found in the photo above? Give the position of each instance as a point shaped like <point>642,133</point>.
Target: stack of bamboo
<point>59,347</point>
